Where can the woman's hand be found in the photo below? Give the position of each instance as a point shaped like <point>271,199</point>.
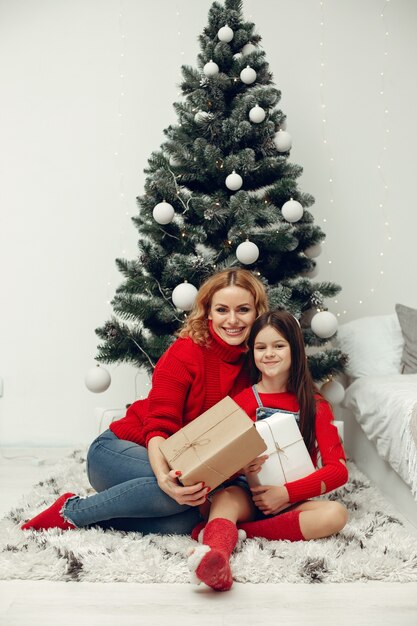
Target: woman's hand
<point>269,499</point>
<point>255,466</point>
<point>194,495</point>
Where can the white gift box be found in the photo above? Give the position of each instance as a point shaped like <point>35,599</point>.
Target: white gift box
<point>289,458</point>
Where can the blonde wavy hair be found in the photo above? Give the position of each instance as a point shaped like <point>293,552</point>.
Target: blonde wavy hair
<point>196,325</point>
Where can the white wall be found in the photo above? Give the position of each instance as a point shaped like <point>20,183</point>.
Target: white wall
<point>86,90</point>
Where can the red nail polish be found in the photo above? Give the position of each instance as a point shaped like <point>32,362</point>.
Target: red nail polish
<point>178,473</point>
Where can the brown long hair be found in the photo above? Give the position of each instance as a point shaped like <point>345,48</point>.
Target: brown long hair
<point>196,324</point>
<point>300,381</point>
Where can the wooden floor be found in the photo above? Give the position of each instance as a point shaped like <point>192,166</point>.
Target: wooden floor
<point>33,603</point>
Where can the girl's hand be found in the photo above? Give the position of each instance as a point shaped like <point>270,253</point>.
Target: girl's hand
<point>269,499</point>
<point>194,495</point>
<point>255,466</point>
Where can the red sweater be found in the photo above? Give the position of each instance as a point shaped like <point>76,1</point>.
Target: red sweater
<point>188,379</point>
<point>332,472</point>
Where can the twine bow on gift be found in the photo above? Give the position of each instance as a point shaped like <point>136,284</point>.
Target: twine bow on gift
<point>187,446</point>
<point>279,449</point>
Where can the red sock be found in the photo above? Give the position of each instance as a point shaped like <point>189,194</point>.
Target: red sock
<point>197,530</point>
<point>282,526</point>
<point>51,517</point>
<point>211,560</point>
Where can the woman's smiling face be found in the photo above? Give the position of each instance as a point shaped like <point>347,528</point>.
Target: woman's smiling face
<point>232,313</point>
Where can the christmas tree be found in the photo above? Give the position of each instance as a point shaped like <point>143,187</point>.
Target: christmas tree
<point>221,192</point>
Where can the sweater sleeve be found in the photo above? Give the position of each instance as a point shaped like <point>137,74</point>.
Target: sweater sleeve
<point>247,401</point>
<point>333,472</point>
<point>171,382</point>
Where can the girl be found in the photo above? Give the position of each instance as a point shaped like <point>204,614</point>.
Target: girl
<point>283,381</point>
<point>135,488</point>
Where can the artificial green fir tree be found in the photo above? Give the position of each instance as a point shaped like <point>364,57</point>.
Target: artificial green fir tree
<point>221,179</point>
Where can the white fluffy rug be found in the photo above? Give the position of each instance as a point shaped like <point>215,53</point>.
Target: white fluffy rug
<point>373,546</point>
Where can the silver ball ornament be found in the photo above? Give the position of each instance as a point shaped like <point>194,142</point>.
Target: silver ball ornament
<point>247,252</point>
<point>248,49</point>
<point>163,213</point>
<point>202,116</point>
<point>314,272</point>
<point>292,210</point>
<point>211,69</point>
<point>174,162</point>
<point>234,181</point>
<point>257,114</point>
<point>283,141</point>
<point>333,391</point>
<point>183,296</point>
<point>313,251</point>
<point>97,379</point>
<point>248,75</point>
<point>324,324</point>
<point>225,34</point>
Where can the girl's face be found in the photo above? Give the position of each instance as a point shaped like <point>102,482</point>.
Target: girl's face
<point>232,313</point>
<point>272,354</point>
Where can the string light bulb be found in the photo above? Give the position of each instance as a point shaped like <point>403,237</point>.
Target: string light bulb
<point>325,115</point>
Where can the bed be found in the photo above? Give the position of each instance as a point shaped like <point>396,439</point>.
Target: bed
<point>380,405</point>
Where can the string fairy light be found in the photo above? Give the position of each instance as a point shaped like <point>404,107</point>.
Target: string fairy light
<point>119,151</point>
<point>383,203</point>
<point>324,116</point>
<point>179,35</point>
<point>142,379</point>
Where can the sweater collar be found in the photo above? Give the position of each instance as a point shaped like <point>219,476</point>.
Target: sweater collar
<point>226,352</point>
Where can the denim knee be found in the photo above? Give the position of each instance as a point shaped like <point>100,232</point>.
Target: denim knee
<point>111,461</point>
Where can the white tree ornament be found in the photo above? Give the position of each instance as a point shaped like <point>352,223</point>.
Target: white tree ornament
<point>97,379</point>
<point>202,116</point>
<point>183,296</point>
<point>257,114</point>
<point>313,272</point>
<point>248,49</point>
<point>283,141</point>
<point>292,210</point>
<point>163,213</point>
<point>333,391</point>
<point>225,34</point>
<point>174,162</point>
<point>313,251</point>
<point>247,252</point>
<point>211,69</point>
<point>234,181</point>
<point>324,324</point>
<point>248,75</point>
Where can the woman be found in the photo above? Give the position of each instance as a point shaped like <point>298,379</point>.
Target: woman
<point>136,490</point>
<point>283,382</point>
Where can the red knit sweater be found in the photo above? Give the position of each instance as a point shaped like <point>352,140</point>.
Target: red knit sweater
<point>332,472</point>
<point>188,379</point>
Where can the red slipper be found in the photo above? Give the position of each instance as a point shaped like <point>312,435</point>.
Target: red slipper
<point>51,517</point>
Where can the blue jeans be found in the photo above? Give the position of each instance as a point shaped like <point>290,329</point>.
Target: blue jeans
<point>128,496</point>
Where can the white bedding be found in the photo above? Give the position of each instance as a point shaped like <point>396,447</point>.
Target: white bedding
<point>386,409</point>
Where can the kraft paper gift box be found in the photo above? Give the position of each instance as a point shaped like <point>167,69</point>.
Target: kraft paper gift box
<point>289,458</point>
<point>214,446</point>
